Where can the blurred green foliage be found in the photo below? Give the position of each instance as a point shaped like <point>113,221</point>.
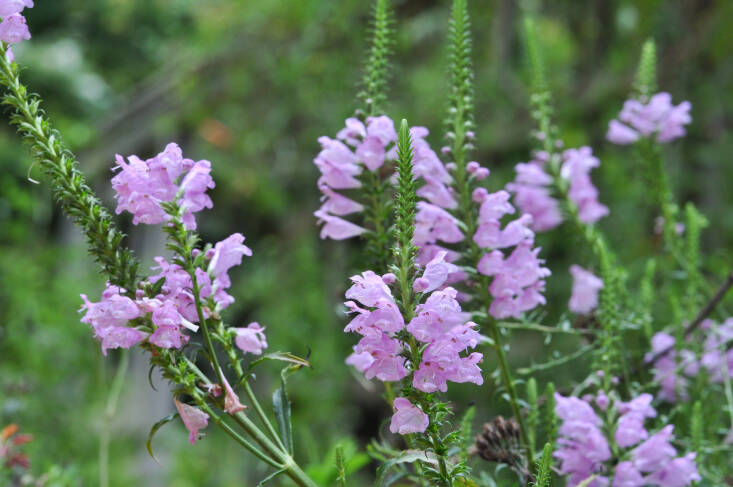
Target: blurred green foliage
<point>250,86</point>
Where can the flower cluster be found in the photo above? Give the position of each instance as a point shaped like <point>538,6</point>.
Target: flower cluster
<point>518,279</point>
<point>341,161</point>
<point>586,285</point>
<point>532,188</point>
<point>172,310</point>
<point>584,449</point>
<point>13,28</point>
<point>673,368</point>
<point>658,116</point>
<point>142,186</point>
<point>439,326</point>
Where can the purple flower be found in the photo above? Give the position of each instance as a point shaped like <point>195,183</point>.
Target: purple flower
<point>654,453</point>
<point>251,339</point>
<point>658,115</point>
<point>338,204</point>
<point>582,447</point>
<point>368,288</point>
<point>576,167</point>
<point>440,313</point>
<point>13,28</point>
<point>337,228</point>
<point>10,7</point>
<point>518,280</point>
<point>141,186</point>
<point>407,418</point>
<point>716,354</point>
<point>586,285</point>
<point>678,472</point>
<point>109,317</point>
<point>531,189</point>
<point>378,355</point>
<point>673,385</point>
<point>435,274</point>
<point>193,418</point>
<point>489,234</point>
<point>225,255</point>
<point>627,476</point>
<point>630,429</point>
<point>433,224</point>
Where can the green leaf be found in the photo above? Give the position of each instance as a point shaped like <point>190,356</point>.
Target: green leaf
<point>154,429</point>
<point>282,357</point>
<point>466,439</point>
<point>587,481</point>
<point>408,456</point>
<point>544,468</point>
<point>281,404</point>
<point>271,476</point>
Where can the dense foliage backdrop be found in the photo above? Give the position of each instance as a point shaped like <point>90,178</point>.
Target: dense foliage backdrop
<point>250,86</point>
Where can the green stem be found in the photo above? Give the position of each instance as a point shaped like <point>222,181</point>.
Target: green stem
<point>109,412</point>
<point>70,188</point>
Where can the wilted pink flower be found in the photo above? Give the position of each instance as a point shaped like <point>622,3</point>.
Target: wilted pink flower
<point>586,286</point>
<point>251,339</point>
<point>231,400</point>
<point>193,418</point>
<point>407,418</point>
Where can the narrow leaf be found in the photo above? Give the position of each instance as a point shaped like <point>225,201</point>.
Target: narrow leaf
<point>271,476</point>
<point>408,456</point>
<point>153,430</point>
<point>281,404</point>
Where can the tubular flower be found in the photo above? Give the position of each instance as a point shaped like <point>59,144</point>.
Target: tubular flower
<point>141,186</point>
<point>341,161</point>
<point>586,286</point>
<point>193,418</point>
<point>532,194</point>
<point>584,451</point>
<point>518,280</point>
<point>438,323</point>
<point>658,117</point>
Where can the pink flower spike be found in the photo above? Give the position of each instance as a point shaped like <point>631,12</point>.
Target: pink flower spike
<point>231,400</point>
<point>193,418</point>
<point>251,339</point>
<point>408,418</point>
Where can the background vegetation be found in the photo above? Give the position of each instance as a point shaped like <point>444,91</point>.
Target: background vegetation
<point>250,86</point>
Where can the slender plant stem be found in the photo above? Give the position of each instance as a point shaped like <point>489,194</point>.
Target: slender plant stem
<point>109,413</point>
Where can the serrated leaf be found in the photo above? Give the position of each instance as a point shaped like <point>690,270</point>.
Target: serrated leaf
<point>408,456</point>
<point>154,429</point>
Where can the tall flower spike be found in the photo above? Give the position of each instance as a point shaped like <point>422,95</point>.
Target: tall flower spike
<point>646,75</point>
<point>70,188</point>
<point>376,71</point>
